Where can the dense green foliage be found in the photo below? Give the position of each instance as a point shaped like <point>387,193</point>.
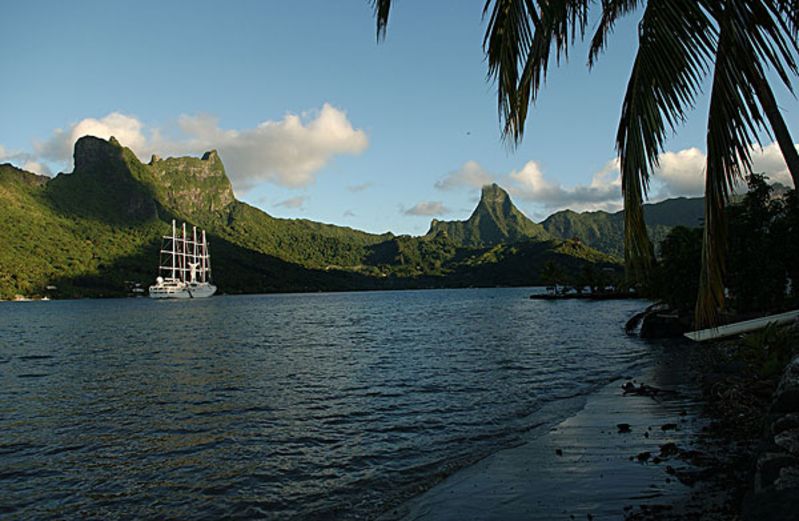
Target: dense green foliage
<point>676,278</point>
<point>768,351</point>
<point>605,231</point>
<point>757,249</point>
<point>96,232</point>
<point>495,220</point>
<point>762,261</point>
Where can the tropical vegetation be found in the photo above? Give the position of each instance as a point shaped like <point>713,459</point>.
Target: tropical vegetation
<point>735,43</point>
<point>762,262</point>
<point>96,232</point>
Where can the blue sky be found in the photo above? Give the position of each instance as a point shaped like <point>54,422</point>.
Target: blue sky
<point>313,118</point>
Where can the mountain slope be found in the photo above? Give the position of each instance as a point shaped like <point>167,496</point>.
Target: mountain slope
<point>495,220</point>
<point>605,231</point>
<point>97,231</point>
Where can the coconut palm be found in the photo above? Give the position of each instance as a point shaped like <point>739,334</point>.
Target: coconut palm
<point>681,42</point>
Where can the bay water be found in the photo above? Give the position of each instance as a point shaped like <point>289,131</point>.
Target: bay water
<point>300,406</point>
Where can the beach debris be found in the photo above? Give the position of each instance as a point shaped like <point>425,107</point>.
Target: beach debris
<point>668,450</point>
<point>624,428</point>
<point>644,456</point>
<point>644,390</point>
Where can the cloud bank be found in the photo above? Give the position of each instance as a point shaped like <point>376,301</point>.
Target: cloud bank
<point>24,161</point>
<point>292,202</point>
<point>427,208</point>
<point>470,175</point>
<point>289,152</point>
<point>679,173</point>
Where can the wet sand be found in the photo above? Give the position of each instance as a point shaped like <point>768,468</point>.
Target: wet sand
<point>610,460</point>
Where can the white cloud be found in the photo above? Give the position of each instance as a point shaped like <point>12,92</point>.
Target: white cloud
<point>127,129</point>
<point>24,161</point>
<point>679,173</point>
<point>683,172</point>
<point>770,161</point>
<point>359,188</point>
<point>470,175</point>
<point>604,191</point>
<point>427,208</point>
<point>289,152</point>
<point>293,202</point>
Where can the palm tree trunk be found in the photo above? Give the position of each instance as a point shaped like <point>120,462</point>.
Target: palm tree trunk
<point>769,103</point>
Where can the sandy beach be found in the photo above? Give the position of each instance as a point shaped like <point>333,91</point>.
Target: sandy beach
<point>622,455</point>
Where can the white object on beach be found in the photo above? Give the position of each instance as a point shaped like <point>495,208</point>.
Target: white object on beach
<point>188,271</point>
<point>736,328</point>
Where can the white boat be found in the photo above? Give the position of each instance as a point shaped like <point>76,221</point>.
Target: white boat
<point>737,328</point>
<point>184,267</point>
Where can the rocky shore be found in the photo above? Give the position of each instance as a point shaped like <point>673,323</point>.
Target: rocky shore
<point>774,493</point>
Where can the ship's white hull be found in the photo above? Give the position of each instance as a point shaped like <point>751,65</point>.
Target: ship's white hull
<point>182,291</point>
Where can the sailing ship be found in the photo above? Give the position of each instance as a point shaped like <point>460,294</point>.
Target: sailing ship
<point>184,267</point>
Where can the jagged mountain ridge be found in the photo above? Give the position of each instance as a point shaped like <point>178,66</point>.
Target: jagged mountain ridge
<point>605,231</point>
<point>495,220</point>
<point>97,230</point>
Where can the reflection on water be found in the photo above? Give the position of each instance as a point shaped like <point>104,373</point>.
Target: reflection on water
<point>309,406</point>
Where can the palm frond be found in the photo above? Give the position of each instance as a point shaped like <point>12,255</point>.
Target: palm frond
<point>789,11</point>
<point>749,39</point>
<point>381,8</point>
<point>519,40</point>
<point>612,10</point>
<point>676,41</point>
<point>508,33</point>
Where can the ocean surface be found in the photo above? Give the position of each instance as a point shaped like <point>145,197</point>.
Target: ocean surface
<point>311,406</point>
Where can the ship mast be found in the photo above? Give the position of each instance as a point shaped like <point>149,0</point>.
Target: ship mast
<point>174,251</point>
<point>206,260</point>
<point>183,259</point>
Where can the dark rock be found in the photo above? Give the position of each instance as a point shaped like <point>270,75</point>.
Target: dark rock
<point>769,466</point>
<point>644,456</point>
<point>624,428</point>
<point>668,450</point>
<point>788,480</point>
<point>662,325</point>
<point>788,440</point>
<point>559,452</point>
<point>644,390</point>
<point>668,427</point>
<point>771,505</point>
<point>786,398</point>
<point>784,423</point>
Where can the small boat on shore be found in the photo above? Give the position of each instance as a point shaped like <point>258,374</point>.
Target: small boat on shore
<point>187,270</point>
<point>737,328</point>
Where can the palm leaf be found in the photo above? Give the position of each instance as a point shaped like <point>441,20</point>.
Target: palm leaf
<point>612,10</point>
<point>675,45</point>
<point>789,10</point>
<point>750,37</point>
<point>381,8</point>
<point>518,43</point>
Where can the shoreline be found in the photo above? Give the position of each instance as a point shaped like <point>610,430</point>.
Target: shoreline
<point>622,455</point>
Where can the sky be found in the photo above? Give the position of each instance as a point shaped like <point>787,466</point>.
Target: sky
<point>314,119</point>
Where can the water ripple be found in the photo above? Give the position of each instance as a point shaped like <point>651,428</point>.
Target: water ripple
<point>329,406</point>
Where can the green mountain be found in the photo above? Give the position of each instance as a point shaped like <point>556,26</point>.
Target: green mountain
<point>605,231</point>
<point>494,221</point>
<point>97,231</point>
